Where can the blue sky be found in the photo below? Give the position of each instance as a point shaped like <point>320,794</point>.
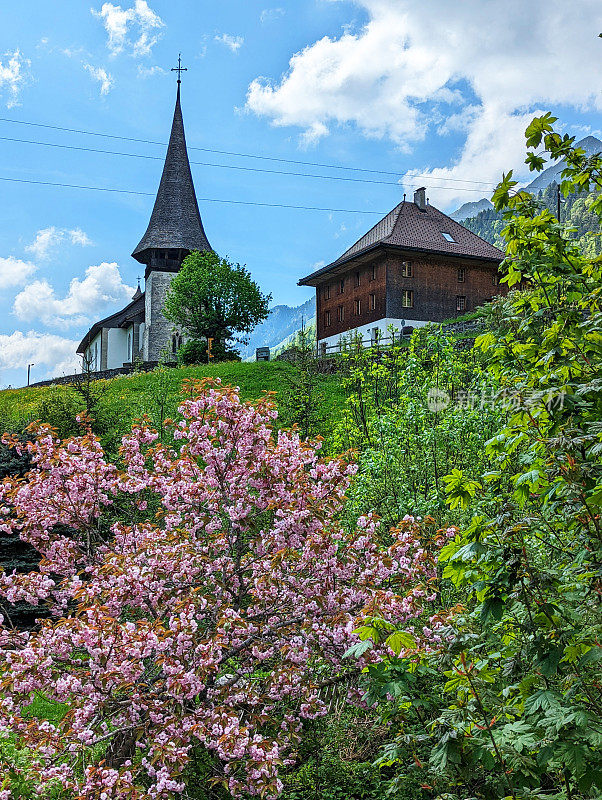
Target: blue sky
<point>434,93</point>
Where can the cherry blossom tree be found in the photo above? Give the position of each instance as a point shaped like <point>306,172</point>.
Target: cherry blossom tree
<point>204,591</point>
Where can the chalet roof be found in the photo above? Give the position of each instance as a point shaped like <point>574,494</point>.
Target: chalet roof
<point>407,227</point>
<point>133,312</point>
<point>175,221</point>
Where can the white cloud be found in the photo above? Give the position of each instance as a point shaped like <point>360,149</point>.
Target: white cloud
<point>47,239</point>
<point>482,66</point>
<point>271,14</point>
<point>14,272</point>
<point>101,287</point>
<point>19,349</point>
<point>234,43</point>
<point>148,72</point>
<point>104,78</point>
<point>13,75</point>
<point>136,29</point>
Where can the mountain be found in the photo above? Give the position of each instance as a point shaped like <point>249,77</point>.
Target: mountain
<point>281,323</point>
<point>550,175</point>
<point>575,213</point>
<point>471,209</point>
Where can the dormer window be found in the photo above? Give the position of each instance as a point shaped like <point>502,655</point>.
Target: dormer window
<point>448,237</point>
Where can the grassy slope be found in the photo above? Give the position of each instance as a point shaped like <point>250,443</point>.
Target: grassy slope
<point>126,398</point>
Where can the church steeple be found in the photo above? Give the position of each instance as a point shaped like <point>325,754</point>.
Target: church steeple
<point>175,227</point>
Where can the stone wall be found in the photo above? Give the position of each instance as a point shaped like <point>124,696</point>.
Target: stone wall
<point>105,374</point>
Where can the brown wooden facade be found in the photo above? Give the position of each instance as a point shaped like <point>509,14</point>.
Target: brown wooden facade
<point>416,264</point>
<point>410,286</point>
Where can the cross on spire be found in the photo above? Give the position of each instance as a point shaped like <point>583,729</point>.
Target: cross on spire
<point>179,69</point>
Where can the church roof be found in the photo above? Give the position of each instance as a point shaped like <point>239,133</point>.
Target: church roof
<point>408,227</point>
<point>175,221</point>
<point>133,312</point>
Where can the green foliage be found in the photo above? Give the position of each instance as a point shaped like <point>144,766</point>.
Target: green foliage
<point>212,298</point>
<point>511,705</point>
<point>576,213</point>
<point>415,413</point>
<point>301,404</point>
<point>195,351</point>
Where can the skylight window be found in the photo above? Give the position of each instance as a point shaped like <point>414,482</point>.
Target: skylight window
<point>448,237</point>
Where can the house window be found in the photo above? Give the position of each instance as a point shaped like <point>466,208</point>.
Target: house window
<point>407,298</point>
<point>326,292</point>
<point>406,269</point>
<point>495,279</point>
<point>374,272</point>
<point>342,286</point>
<point>356,280</point>
<point>341,313</point>
<point>358,306</point>
<point>460,303</point>
<point>327,319</point>
<point>461,275</point>
<point>448,237</point>
<point>372,302</point>
<point>322,348</point>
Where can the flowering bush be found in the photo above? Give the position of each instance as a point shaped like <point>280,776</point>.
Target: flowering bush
<point>204,592</point>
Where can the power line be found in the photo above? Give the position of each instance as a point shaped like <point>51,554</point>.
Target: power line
<point>201,199</point>
<point>231,153</point>
<point>230,166</point>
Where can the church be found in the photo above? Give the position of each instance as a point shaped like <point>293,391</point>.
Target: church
<point>140,331</point>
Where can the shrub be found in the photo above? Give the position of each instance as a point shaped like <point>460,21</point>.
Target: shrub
<point>205,594</point>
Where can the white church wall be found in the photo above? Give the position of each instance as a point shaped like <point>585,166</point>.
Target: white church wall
<point>93,354</point>
<point>117,348</point>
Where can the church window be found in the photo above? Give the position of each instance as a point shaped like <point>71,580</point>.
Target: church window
<point>460,303</point>
<point>407,298</point>
<point>461,275</point>
<point>327,319</point>
<point>129,346</point>
<point>341,313</point>
<point>406,269</point>
<point>372,304</point>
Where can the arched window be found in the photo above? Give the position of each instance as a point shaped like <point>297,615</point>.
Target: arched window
<point>129,346</point>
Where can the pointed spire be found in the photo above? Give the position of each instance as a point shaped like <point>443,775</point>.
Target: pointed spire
<point>175,222</point>
<point>138,292</point>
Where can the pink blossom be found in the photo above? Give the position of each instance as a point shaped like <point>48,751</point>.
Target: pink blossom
<point>175,580</point>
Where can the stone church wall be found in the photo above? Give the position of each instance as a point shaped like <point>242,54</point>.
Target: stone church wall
<point>158,330</point>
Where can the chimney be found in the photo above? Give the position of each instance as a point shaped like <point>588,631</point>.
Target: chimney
<point>420,198</point>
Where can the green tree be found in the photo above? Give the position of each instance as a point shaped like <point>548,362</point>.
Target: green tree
<point>511,703</point>
<point>214,299</point>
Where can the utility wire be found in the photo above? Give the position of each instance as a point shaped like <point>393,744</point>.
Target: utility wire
<point>231,153</point>
<point>231,166</point>
<point>201,199</point>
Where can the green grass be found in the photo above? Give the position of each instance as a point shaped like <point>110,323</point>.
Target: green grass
<point>126,398</point>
